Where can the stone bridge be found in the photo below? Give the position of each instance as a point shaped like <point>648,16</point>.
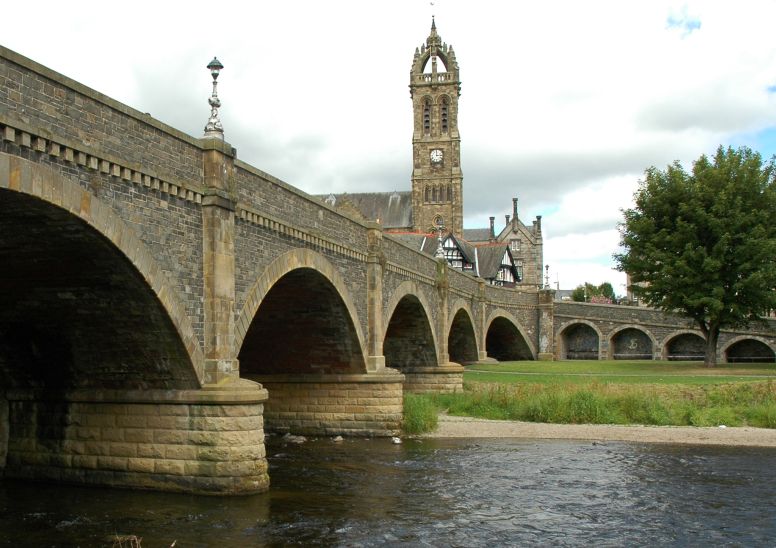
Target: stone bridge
<point>598,331</point>
<point>163,303</point>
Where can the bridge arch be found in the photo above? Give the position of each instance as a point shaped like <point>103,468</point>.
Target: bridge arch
<point>633,342</point>
<point>748,349</point>
<point>409,338</point>
<point>462,343</point>
<point>505,339</point>
<point>579,339</point>
<point>92,270</point>
<point>684,344</point>
<point>279,329</point>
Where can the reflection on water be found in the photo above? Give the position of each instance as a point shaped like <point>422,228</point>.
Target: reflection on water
<point>435,493</point>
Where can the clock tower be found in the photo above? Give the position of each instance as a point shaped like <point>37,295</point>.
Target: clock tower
<point>437,181</point>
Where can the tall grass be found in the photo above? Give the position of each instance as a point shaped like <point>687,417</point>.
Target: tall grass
<point>420,414</point>
<point>738,404</point>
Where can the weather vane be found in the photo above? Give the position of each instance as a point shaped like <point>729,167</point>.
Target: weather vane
<point>214,127</point>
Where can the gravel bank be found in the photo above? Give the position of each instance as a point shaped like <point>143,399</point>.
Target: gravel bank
<point>468,427</point>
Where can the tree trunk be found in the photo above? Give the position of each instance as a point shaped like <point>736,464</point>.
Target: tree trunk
<point>712,336</point>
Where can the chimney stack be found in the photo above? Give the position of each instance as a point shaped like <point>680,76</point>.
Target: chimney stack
<point>514,208</point>
<point>507,218</point>
<point>539,223</point>
<point>492,228</point>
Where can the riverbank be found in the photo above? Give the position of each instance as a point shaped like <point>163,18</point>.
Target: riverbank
<point>468,427</point>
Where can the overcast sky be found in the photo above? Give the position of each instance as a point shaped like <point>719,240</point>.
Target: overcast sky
<point>563,104</point>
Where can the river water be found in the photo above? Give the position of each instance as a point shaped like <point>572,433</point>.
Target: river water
<point>433,493</point>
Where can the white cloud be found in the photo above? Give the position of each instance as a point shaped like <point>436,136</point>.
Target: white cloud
<point>563,104</point>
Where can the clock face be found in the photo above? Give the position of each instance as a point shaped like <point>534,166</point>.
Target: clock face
<point>436,156</point>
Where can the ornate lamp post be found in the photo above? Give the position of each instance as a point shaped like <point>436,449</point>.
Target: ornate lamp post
<point>214,127</point>
<point>440,252</point>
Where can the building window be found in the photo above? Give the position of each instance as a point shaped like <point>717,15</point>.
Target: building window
<point>444,109</point>
<point>427,116</point>
<point>519,268</point>
<point>428,194</point>
<point>514,245</point>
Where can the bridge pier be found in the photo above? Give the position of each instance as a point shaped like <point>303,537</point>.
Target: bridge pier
<point>208,441</point>
<point>332,404</point>
<point>440,379</point>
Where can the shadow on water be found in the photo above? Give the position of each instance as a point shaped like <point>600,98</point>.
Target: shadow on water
<point>432,492</point>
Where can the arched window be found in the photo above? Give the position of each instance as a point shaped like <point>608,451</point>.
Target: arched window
<point>428,194</point>
<point>443,197</point>
<point>449,193</point>
<point>436,194</point>
<point>443,113</point>
<point>427,116</point>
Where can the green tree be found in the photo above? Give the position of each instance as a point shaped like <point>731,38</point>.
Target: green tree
<point>703,244</point>
<point>588,292</point>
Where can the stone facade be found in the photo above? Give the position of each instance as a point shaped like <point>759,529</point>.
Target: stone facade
<point>437,180</point>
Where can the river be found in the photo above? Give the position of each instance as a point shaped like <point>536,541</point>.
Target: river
<point>433,493</point>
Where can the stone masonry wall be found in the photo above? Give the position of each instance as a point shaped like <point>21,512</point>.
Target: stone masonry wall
<point>355,405</point>
<point>188,447</point>
<point>149,173</point>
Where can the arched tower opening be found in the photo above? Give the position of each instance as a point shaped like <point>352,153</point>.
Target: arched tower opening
<point>462,342</point>
<point>504,342</point>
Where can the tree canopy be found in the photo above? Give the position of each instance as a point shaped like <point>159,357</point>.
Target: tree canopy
<point>703,244</point>
<point>601,294</point>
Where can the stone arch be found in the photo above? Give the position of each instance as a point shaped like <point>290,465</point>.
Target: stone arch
<point>749,349</point>
<point>48,191</point>
<point>631,342</point>
<point>685,345</point>
<point>462,343</point>
<point>581,347</point>
<point>407,325</point>
<point>335,347</point>
<point>501,313</point>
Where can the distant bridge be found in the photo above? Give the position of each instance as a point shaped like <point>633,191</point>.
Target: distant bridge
<point>164,302</point>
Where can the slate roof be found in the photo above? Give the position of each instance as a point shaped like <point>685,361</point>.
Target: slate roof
<point>476,234</point>
<point>393,209</point>
<point>489,259</point>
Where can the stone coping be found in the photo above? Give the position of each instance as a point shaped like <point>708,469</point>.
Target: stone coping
<point>385,376</point>
<point>241,392</point>
<point>448,368</point>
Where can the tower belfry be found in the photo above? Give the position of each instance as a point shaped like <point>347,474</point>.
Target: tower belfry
<point>437,181</point>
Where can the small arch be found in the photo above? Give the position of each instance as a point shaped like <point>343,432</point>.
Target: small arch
<point>631,342</point>
<point>508,339</point>
<point>684,345</point>
<point>408,288</point>
<point>579,340</point>
<point>462,338</point>
<point>284,264</point>
<point>409,341</point>
<point>748,349</point>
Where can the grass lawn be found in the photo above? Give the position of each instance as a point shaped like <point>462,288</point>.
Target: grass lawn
<point>613,392</point>
<point>619,371</point>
